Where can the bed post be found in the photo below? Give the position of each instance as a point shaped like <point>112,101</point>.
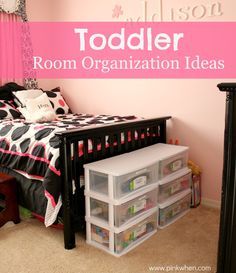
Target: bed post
<point>65,160</point>
<point>227,238</point>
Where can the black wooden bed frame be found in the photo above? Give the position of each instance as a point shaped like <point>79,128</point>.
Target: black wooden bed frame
<point>227,236</point>
<point>137,134</point>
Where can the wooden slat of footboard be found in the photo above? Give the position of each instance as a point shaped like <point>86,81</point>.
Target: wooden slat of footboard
<point>132,134</point>
<point>126,140</point>
<point>75,162</point>
<point>156,132</point>
<point>119,147</point>
<point>95,148</point>
<point>111,144</point>
<point>150,139</point>
<point>145,136</point>
<point>139,135</point>
<point>85,149</point>
<point>103,145</point>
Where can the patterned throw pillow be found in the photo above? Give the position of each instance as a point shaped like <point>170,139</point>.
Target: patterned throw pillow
<point>57,101</point>
<point>7,110</point>
<point>38,109</point>
<point>20,97</point>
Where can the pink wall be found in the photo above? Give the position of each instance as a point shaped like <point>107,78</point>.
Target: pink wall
<point>196,106</point>
<point>40,10</point>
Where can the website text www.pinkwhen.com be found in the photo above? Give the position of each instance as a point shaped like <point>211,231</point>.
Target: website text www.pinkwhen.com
<point>180,268</point>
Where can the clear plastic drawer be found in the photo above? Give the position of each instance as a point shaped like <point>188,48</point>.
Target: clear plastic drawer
<point>99,209</point>
<point>173,164</point>
<point>173,209</point>
<point>135,207</point>
<point>130,237</point>
<point>120,241</point>
<point>123,212</point>
<point>100,235</point>
<point>175,185</point>
<point>121,186</point>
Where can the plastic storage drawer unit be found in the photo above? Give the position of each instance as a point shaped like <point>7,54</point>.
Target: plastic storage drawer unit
<point>121,213</point>
<point>169,187</point>
<point>174,208</point>
<point>121,176</point>
<point>120,241</point>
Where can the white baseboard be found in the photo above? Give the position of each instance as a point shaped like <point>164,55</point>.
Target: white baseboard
<point>211,203</point>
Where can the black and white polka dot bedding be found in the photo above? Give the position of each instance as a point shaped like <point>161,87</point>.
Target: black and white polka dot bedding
<point>8,110</point>
<point>33,150</point>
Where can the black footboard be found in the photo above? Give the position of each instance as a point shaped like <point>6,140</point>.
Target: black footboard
<point>106,141</point>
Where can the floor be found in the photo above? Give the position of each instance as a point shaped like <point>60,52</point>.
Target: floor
<point>188,245</point>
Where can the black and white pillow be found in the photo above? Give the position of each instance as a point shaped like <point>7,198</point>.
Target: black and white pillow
<point>57,101</point>
<point>20,97</point>
<point>38,109</point>
<point>7,110</point>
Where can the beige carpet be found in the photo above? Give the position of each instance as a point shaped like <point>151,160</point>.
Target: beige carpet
<point>29,247</point>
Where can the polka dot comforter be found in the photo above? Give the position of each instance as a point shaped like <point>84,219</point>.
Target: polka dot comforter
<point>33,150</point>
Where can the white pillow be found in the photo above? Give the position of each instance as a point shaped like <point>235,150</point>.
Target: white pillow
<point>41,103</point>
<point>38,109</point>
<point>22,96</point>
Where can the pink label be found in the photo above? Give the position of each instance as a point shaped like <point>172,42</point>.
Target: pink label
<point>120,50</point>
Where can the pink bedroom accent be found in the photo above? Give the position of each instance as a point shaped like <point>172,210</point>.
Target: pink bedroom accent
<point>50,197</point>
<point>10,49</point>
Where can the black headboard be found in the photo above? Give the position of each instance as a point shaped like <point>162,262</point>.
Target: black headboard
<point>227,86</point>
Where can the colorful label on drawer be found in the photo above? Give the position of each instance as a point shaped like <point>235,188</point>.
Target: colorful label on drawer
<point>140,205</point>
<point>174,188</point>
<point>138,182</point>
<point>176,210</point>
<point>139,231</point>
<point>175,165</point>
